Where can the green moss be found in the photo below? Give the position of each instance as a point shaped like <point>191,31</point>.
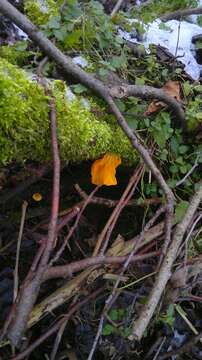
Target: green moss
<point>40,11</point>
<point>24,123</point>
<point>16,53</point>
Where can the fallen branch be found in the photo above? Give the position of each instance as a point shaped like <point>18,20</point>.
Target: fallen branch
<point>69,68</point>
<point>128,192</point>
<point>182,349</point>
<point>181,13</point>
<point>22,223</point>
<point>115,293</point>
<point>112,203</point>
<point>164,275</point>
<point>70,269</point>
<point>70,288</point>
<point>149,92</point>
<point>116,8</point>
<point>58,324</point>
<point>30,288</point>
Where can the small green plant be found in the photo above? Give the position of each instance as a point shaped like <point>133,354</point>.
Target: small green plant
<point>168,318</point>
<point>115,327</point>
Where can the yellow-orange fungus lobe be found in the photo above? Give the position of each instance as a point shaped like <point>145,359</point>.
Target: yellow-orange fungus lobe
<point>103,171</point>
<point>37,197</point>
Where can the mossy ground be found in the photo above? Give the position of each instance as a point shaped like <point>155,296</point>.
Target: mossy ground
<point>24,124</point>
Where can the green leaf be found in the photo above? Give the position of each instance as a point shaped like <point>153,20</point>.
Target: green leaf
<point>139,81</point>
<point>107,330</point>
<point>21,45</point>
<point>114,315</point>
<point>183,149</point>
<point>131,122</point>
<point>120,105</point>
<point>180,210</point>
<point>118,61</point>
<point>198,88</point>
<point>79,88</point>
<point>186,88</point>
<point>199,116</point>
<point>54,22</point>
<point>60,34</point>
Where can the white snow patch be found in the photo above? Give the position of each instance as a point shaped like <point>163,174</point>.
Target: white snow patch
<point>69,94</point>
<point>79,60</point>
<point>168,38</point>
<point>21,33</point>
<point>43,6</point>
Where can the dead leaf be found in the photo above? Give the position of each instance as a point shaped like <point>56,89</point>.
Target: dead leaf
<point>171,88</point>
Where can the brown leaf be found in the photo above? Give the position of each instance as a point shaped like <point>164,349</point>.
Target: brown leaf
<point>171,88</point>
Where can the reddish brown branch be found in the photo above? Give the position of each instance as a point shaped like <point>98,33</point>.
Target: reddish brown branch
<point>112,203</point>
<point>68,270</point>
<point>56,326</point>
<point>30,288</point>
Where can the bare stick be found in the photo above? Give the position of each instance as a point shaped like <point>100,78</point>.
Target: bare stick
<point>183,349</point>
<point>24,209</point>
<point>180,182</point>
<point>181,13</point>
<point>149,92</point>
<point>128,194</point>
<point>29,291</point>
<point>114,294</point>
<point>68,270</point>
<point>73,228</point>
<point>147,312</point>
<point>151,165</point>
<point>112,203</point>
<point>114,214</point>
<point>57,326</point>
<point>116,7</point>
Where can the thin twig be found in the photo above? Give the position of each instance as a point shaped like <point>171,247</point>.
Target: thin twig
<point>58,339</point>
<point>30,288</point>
<point>183,349</point>
<point>73,267</point>
<point>112,203</point>
<point>138,173</point>
<point>116,7</point>
<point>115,212</point>
<point>149,92</point>
<point>177,45</point>
<point>114,294</point>
<point>57,325</point>
<point>22,222</point>
<point>180,182</point>
<point>73,228</point>
<point>164,274</point>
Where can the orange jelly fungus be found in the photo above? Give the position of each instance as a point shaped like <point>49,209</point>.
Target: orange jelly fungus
<point>103,171</point>
<point>37,197</point>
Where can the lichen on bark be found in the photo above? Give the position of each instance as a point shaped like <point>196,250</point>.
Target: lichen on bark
<point>24,123</point>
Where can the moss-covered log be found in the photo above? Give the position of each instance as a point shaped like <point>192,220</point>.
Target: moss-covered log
<point>24,123</point>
